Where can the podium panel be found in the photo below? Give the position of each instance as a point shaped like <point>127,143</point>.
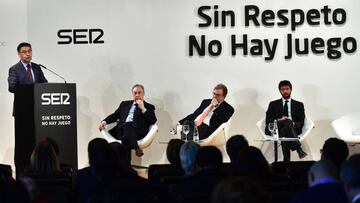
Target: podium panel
<point>45,110</point>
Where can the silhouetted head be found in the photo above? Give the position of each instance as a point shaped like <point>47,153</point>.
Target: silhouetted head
<point>239,190</point>
<point>209,157</point>
<point>235,144</point>
<point>123,155</point>
<point>335,150</point>
<point>350,175</point>
<point>43,159</point>
<point>93,145</point>
<point>188,153</point>
<point>323,169</point>
<point>102,159</point>
<point>252,163</point>
<point>173,152</point>
<point>53,144</point>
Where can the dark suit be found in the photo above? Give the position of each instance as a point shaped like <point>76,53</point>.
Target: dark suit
<point>130,132</point>
<point>286,128</point>
<point>19,76</point>
<point>327,192</point>
<point>221,114</point>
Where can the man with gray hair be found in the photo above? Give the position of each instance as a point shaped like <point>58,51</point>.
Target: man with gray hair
<point>133,117</point>
<point>350,175</point>
<point>323,185</point>
<point>188,152</point>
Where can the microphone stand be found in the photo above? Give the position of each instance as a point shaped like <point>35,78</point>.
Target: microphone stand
<point>53,72</point>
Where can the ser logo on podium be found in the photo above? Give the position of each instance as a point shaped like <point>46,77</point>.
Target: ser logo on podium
<point>55,99</point>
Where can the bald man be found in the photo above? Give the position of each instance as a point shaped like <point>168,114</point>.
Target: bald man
<point>324,185</point>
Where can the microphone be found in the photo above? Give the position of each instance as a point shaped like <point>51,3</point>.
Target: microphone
<point>42,66</point>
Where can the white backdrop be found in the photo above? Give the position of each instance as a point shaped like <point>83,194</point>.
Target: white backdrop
<point>147,42</point>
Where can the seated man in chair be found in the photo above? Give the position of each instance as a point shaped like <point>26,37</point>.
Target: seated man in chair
<point>211,113</point>
<point>290,116</point>
<point>134,118</point>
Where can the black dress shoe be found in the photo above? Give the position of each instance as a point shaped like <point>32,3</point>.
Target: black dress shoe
<point>139,152</point>
<point>301,153</point>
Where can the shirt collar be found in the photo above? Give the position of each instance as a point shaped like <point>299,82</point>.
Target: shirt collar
<point>325,181</point>
<point>357,197</point>
<point>283,100</point>
<point>25,64</point>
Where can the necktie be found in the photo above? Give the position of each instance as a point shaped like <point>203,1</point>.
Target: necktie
<point>203,115</point>
<point>28,70</point>
<point>135,115</point>
<point>286,109</point>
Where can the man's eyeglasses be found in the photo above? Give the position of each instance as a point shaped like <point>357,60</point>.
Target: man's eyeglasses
<point>24,52</point>
<point>216,94</point>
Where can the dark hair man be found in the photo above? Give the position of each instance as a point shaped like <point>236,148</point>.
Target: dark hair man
<point>25,72</point>
<point>290,116</point>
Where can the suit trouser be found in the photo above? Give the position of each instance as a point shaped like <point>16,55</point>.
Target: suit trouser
<point>287,129</point>
<point>128,135</point>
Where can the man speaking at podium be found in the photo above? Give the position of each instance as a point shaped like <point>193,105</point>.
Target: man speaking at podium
<point>23,73</point>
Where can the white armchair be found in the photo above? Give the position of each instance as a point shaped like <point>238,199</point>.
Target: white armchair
<point>308,126</point>
<point>143,143</point>
<point>218,138</point>
<point>347,127</point>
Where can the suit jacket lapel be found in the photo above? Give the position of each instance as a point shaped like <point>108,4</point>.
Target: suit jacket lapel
<point>293,108</point>
<point>280,108</point>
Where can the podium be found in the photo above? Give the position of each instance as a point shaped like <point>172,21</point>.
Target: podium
<point>45,110</point>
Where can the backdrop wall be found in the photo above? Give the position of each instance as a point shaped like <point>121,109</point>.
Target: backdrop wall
<point>147,42</point>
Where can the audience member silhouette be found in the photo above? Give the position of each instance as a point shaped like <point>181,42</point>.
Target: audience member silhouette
<point>44,160</point>
<point>127,186</point>
<point>252,163</point>
<point>209,164</point>
<point>65,168</point>
<point>44,179</point>
<point>335,150</point>
<point>123,160</point>
<point>12,191</point>
<point>158,171</point>
<point>239,190</point>
<point>324,185</point>
<point>173,152</point>
<point>91,181</point>
<point>235,144</point>
<point>188,153</point>
<point>350,175</point>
